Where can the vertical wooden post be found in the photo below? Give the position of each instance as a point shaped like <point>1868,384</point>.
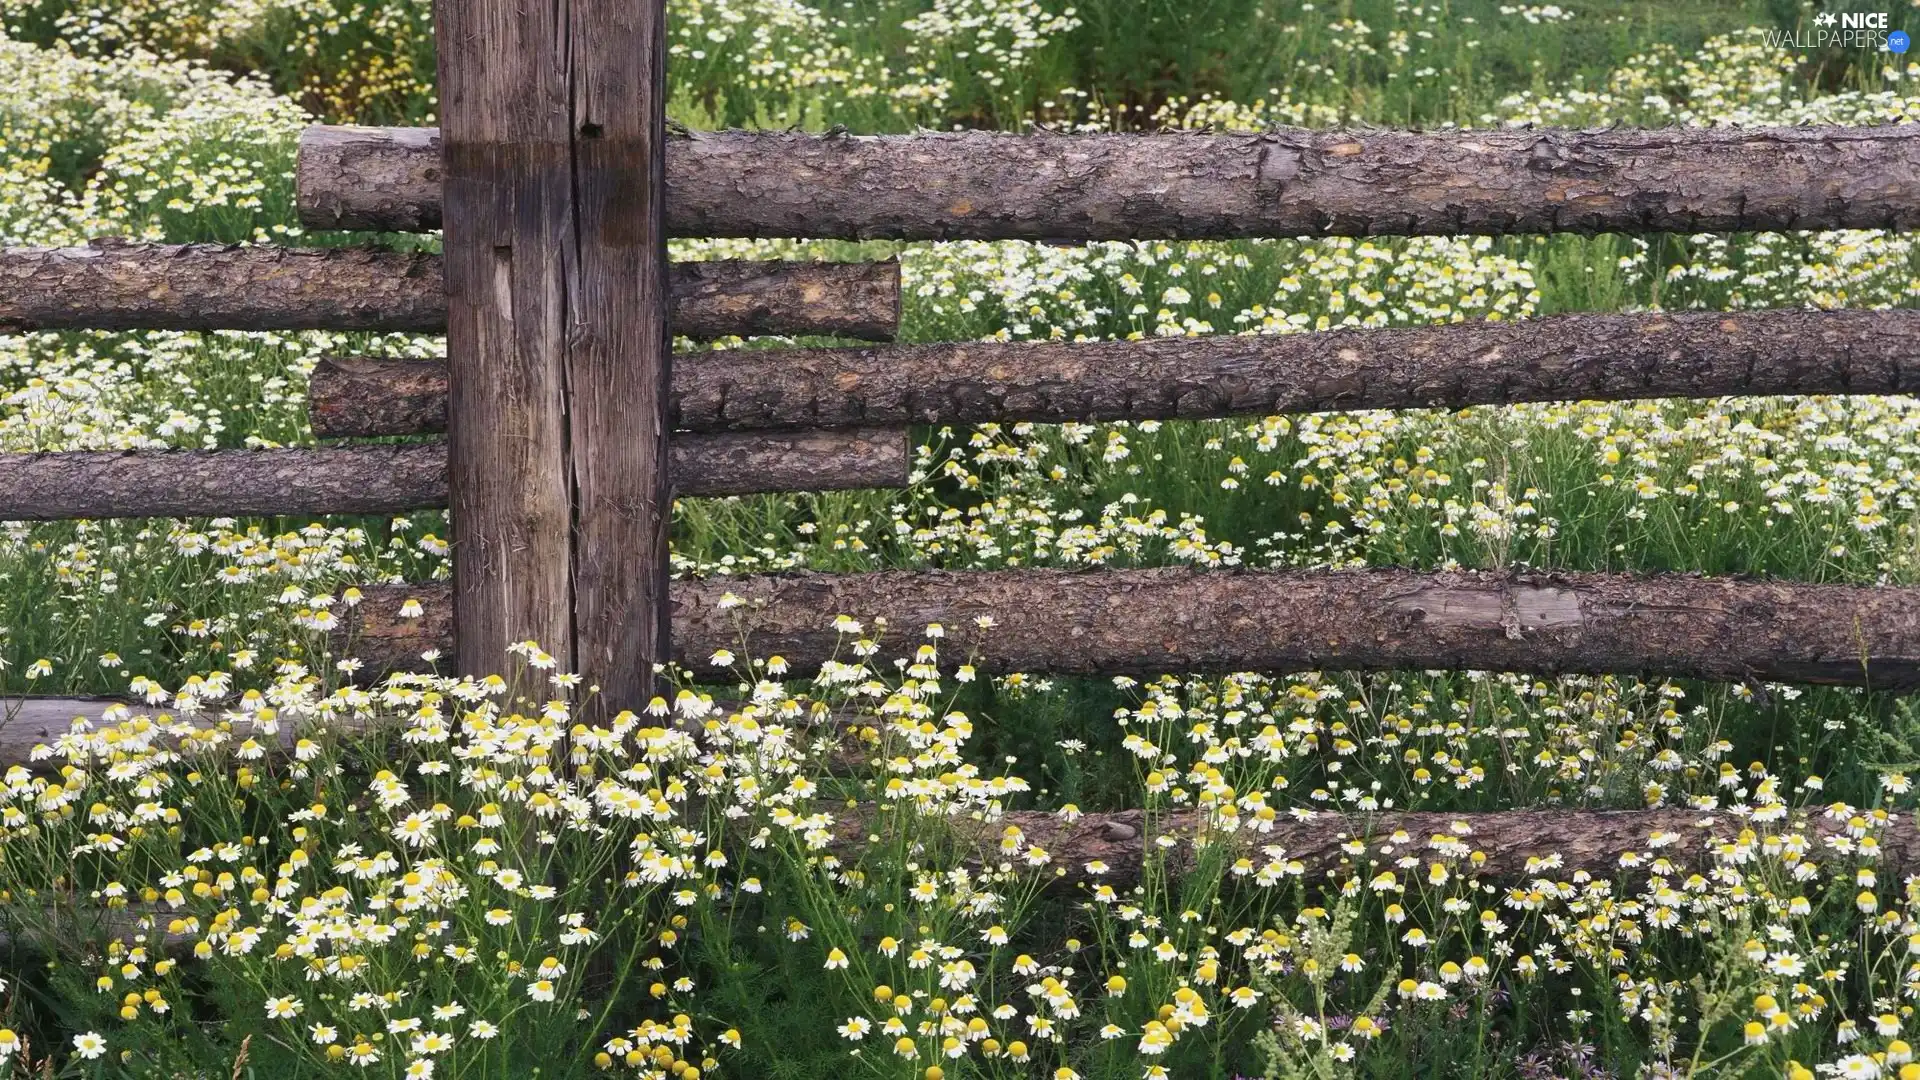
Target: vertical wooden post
<point>552,121</point>
<point>618,368</point>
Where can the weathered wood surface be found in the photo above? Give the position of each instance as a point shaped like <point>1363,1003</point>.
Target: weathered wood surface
<point>395,479</point>
<point>26,722</point>
<point>30,722</point>
<point>125,286</point>
<point>513,242</point>
<point>619,357</point>
<point>1148,622</point>
<point>1560,358</point>
<point>1285,182</point>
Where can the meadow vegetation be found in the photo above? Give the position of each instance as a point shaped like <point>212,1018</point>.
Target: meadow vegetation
<point>456,877</point>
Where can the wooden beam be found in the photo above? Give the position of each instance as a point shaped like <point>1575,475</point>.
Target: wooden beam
<point>396,479</point>
<point>1279,183</point>
<point>125,286</point>
<point>1150,622</point>
<point>544,121</point>
<point>1561,358</point>
<point>619,357</point>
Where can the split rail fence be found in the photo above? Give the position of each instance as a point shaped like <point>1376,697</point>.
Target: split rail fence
<point>568,430</point>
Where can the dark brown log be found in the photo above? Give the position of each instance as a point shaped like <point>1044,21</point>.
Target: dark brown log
<point>82,928</point>
<point>1561,358</point>
<point>396,479</point>
<point>740,296</point>
<point>378,395</point>
<point>204,483</point>
<point>744,464</point>
<point>113,285</point>
<point>1286,182</point>
<point>1148,622</point>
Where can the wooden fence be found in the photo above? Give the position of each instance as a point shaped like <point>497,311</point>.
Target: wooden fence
<point>568,428</point>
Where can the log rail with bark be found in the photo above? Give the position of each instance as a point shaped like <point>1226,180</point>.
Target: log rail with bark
<point>1280,183</point>
<point>391,479</point>
<point>1149,622</point>
<point>111,285</point>
<point>1514,848</point>
<point>1560,358</point>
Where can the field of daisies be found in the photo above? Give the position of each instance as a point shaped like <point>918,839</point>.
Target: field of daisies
<point>304,874</point>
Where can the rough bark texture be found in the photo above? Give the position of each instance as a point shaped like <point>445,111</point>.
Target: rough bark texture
<point>396,479</point>
<point>352,177</point>
<point>1287,182</point>
<point>1562,358</point>
<point>114,285</point>
<point>1147,622</point>
<point>740,463</point>
<point>204,483</point>
<point>351,396</point>
<point>744,297</point>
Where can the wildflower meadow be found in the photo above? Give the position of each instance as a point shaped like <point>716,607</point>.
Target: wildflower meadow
<point>248,860</point>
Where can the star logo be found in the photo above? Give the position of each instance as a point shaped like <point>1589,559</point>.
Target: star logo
<point>1825,18</point>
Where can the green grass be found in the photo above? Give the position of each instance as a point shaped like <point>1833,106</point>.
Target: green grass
<point>1049,496</point>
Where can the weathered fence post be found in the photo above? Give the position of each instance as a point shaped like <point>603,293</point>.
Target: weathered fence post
<point>553,122</point>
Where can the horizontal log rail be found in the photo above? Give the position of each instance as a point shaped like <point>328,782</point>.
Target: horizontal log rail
<point>127,286</point>
<point>395,479</point>
<point>30,721</point>
<point>1518,845</point>
<point>1149,622</point>
<point>1560,358</point>
<point>27,724</point>
<point>1279,183</point>
<point>36,723</point>
<point>1514,847</point>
